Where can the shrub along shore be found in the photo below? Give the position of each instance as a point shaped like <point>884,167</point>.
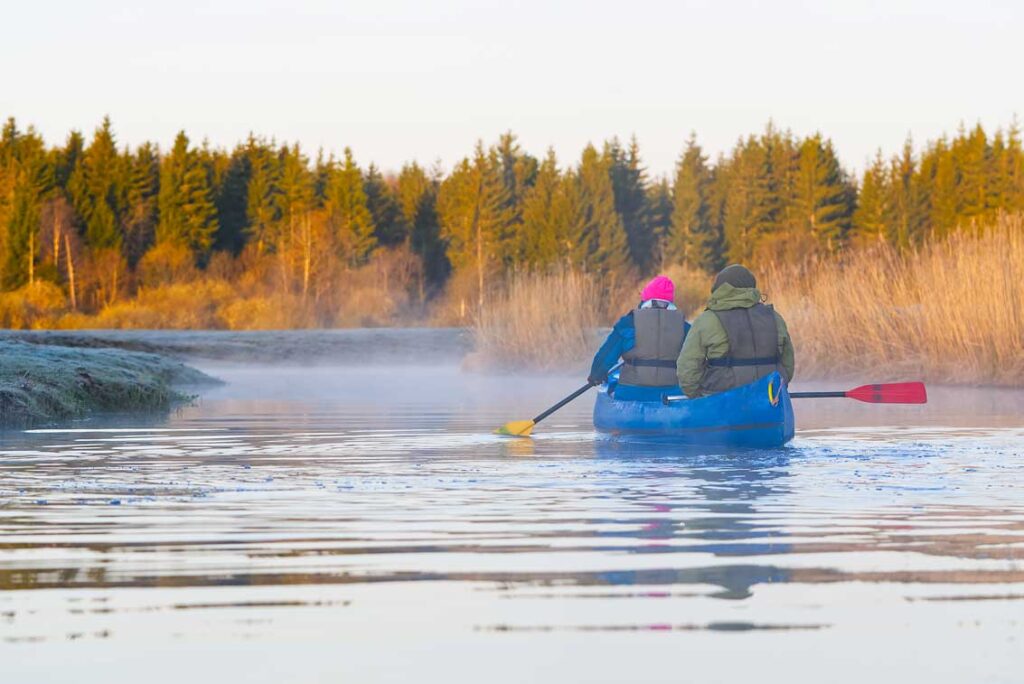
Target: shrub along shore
<point>41,384</point>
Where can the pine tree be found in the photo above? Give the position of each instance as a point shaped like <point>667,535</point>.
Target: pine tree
<point>599,243</point>
<point>907,200</point>
<point>629,182</point>
<point>783,218</point>
<point>824,199</point>
<point>22,227</point>
<point>693,239</point>
<point>971,152</point>
<point>545,218</point>
<point>872,213</point>
<point>188,217</point>
<point>518,173</point>
<point>322,170</point>
<point>95,186</point>
<point>999,191</point>
<point>942,190</point>
<point>141,197</point>
<point>199,211</point>
<point>232,200</point>
<point>294,232</point>
<point>391,229</point>
<point>417,199</point>
<point>473,207</point>
<point>8,177</point>
<point>748,205</point>
<point>29,178</point>
<point>68,158</point>
<point>349,216</point>
<point>1014,169</point>
<point>413,184</point>
<point>263,208</point>
<point>659,217</point>
<point>296,187</point>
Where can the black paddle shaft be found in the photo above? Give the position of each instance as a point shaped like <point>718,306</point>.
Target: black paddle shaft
<point>816,395</point>
<point>562,403</point>
<point>572,396</point>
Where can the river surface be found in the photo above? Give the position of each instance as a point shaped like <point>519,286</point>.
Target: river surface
<point>354,522</point>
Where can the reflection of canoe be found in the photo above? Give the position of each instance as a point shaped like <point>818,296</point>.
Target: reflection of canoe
<point>756,415</point>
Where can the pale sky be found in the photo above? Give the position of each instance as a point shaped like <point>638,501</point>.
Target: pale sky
<point>398,80</point>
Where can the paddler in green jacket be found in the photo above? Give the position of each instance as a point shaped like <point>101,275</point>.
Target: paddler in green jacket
<point>736,340</point>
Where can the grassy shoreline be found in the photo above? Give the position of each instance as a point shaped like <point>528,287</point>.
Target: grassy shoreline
<point>42,384</point>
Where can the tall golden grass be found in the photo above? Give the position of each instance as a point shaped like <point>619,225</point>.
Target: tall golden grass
<point>540,321</point>
<point>950,312</point>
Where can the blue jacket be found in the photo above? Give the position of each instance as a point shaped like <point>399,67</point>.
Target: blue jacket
<point>621,339</point>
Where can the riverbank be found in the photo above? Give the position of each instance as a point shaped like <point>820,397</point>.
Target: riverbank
<point>45,383</point>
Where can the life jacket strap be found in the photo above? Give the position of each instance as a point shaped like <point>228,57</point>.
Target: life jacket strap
<point>726,362</point>
<point>650,363</point>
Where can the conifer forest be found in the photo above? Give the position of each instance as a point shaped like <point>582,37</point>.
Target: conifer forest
<point>95,233</point>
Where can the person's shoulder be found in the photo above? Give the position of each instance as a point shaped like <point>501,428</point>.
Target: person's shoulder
<point>625,322</point>
<point>704,317</point>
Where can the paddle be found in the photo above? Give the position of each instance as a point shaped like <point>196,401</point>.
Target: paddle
<point>892,393</point>
<point>523,428</point>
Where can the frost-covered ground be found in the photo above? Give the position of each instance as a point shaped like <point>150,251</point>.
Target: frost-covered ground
<point>43,383</point>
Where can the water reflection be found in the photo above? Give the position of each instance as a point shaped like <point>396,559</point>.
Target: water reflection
<point>246,518</point>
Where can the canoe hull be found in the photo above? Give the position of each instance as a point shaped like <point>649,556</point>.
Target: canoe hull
<point>742,417</point>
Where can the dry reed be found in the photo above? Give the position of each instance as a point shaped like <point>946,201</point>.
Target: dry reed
<point>950,312</point>
<point>546,321</point>
<point>539,321</point>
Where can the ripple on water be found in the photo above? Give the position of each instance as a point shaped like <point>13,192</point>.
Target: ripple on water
<point>233,523</point>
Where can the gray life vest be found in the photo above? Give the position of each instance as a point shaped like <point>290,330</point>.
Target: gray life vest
<point>652,360</point>
<point>753,349</point>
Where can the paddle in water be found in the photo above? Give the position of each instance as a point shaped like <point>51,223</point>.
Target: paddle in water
<point>891,393</point>
<point>523,428</point>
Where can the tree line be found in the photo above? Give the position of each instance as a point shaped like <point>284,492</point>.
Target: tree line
<point>102,220</point>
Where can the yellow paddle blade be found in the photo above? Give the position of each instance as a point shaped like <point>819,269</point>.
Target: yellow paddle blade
<point>517,428</point>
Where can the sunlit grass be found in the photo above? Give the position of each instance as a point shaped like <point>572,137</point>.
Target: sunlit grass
<point>950,312</point>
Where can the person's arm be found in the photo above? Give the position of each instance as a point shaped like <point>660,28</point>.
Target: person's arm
<point>620,340</point>
<point>786,351</point>
<point>690,364</point>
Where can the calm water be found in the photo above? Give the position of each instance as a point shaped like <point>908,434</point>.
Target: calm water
<point>296,526</point>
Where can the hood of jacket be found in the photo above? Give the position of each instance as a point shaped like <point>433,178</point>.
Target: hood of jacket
<point>727,297</point>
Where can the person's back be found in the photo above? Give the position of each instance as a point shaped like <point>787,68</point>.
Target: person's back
<point>648,340</point>
<point>736,340</point>
<point>659,332</point>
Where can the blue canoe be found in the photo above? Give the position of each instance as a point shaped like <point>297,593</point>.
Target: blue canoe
<point>756,415</point>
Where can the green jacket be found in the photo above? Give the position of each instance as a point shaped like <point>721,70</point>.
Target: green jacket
<point>707,338</point>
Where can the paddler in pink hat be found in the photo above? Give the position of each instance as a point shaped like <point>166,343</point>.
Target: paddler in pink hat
<point>648,340</point>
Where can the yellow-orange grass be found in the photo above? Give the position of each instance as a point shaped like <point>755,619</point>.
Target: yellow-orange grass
<point>950,312</point>
<point>539,321</point>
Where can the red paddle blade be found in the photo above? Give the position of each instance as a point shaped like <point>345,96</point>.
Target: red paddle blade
<point>892,393</point>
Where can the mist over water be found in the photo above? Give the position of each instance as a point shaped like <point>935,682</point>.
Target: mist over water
<point>356,519</point>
